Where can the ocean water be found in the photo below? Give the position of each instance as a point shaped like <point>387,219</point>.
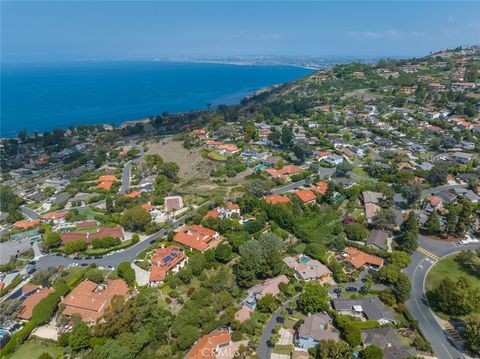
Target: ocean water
<point>41,97</point>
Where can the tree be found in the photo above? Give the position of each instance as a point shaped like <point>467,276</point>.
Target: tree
<point>108,205</point>
<point>79,337</point>
<point>313,299</point>
<point>136,218</point>
<point>472,333</point>
<point>438,175</point>
<point>402,287</point>
<point>331,349</point>
<point>371,352</point>
<point>267,304</point>
<point>457,297</point>
<point>411,192</point>
<point>451,222</point>
<point>343,168</point>
<point>52,239</point>
<point>126,272</point>
<point>45,356</point>
<point>95,275</point>
<point>384,219</point>
<point>287,135</point>
<point>433,223</point>
<point>356,232</point>
<point>75,246</point>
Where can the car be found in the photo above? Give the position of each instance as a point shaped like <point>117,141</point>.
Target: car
<point>88,257</point>
<point>111,267</point>
<point>153,241</point>
<point>31,270</point>
<point>77,257</point>
<point>363,280</point>
<point>98,257</point>
<point>337,291</point>
<point>84,264</point>
<point>351,289</point>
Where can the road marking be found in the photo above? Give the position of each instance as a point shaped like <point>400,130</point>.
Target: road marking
<point>428,253</point>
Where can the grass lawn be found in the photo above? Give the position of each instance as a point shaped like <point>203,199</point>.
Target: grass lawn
<point>448,267</point>
<point>73,272</point>
<point>283,349</point>
<point>289,323</point>
<point>215,156</point>
<point>360,171</point>
<point>31,350</point>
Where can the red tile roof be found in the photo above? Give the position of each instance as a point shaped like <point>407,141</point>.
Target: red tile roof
<point>26,309</point>
<point>276,199</point>
<point>54,215</point>
<point>321,187</point>
<point>164,260</point>
<point>283,172</point>
<point>89,303</point>
<point>357,258</point>
<point>105,185</point>
<point>133,194</point>
<point>148,207</point>
<point>206,346</point>
<point>305,195</point>
<point>28,224</point>
<point>115,232</point>
<point>107,178</point>
<point>197,237</point>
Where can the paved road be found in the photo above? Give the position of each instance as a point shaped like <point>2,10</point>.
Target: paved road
<point>418,305</point>
<point>126,174</point>
<point>29,212</point>
<point>289,187</point>
<point>263,350</point>
<point>114,260</point>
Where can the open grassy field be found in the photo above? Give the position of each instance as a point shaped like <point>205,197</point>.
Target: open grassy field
<point>448,267</point>
<point>31,350</point>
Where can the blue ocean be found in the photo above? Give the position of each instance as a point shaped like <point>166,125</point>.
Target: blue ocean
<point>41,97</point>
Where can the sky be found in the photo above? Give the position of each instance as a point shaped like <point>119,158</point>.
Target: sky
<point>70,30</point>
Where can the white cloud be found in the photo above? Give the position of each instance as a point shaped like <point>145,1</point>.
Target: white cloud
<point>386,34</point>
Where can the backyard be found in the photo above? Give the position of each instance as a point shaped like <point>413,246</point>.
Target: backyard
<point>33,349</point>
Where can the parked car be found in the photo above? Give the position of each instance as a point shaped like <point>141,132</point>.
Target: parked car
<point>337,291</point>
<point>351,289</point>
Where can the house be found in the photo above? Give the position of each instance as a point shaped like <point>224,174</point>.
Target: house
<point>315,328</point>
<point>307,269</point>
<point>371,210</point>
<point>275,199</point>
<point>88,237</point>
<point>28,224</point>
<point>269,286</point>
<point>306,196</point>
<point>379,238</point>
<point>165,260</point>
<point>228,149</point>
<point>26,308</point>
<point>173,202</point>
<point>283,173</point>
<point>55,217</point>
<point>211,346</point>
<point>198,237</point>
<point>432,202</point>
<point>106,181</point>
<point>372,197</point>
<point>133,194</point>
<point>89,300</point>
<point>388,342</point>
<point>462,157</point>
<point>358,259</point>
<point>105,185</point>
<point>223,212</point>
<point>321,188</point>
<point>365,308</point>
<point>333,160</point>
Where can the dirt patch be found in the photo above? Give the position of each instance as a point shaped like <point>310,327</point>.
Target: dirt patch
<point>192,165</point>
<point>362,94</point>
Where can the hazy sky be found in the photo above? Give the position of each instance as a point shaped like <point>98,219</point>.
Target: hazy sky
<point>42,30</point>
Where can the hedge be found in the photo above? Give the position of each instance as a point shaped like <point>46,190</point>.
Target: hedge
<point>16,281</point>
<point>100,251</point>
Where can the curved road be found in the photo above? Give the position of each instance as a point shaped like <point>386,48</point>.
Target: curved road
<point>418,305</point>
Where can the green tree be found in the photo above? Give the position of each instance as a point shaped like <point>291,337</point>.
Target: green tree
<point>331,349</point>
<point>136,218</point>
<point>411,192</point>
<point>438,175</point>
<point>223,253</point>
<point>52,239</point>
<point>45,356</point>
<point>472,333</point>
<point>456,297</point>
<point>313,299</point>
<point>433,223</point>
<point>384,219</point>
<point>356,232</point>
<point>75,246</point>
<point>126,272</point>
<point>371,352</point>
<point>402,287</point>
<point>79,338</point>
<point>451,223</point>
<point>267,304</point>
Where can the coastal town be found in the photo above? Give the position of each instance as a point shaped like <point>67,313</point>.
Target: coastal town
<point>336,216</point>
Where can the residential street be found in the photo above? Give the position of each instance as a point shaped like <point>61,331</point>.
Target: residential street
<point>417,272</point>
<point>126,174</point>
